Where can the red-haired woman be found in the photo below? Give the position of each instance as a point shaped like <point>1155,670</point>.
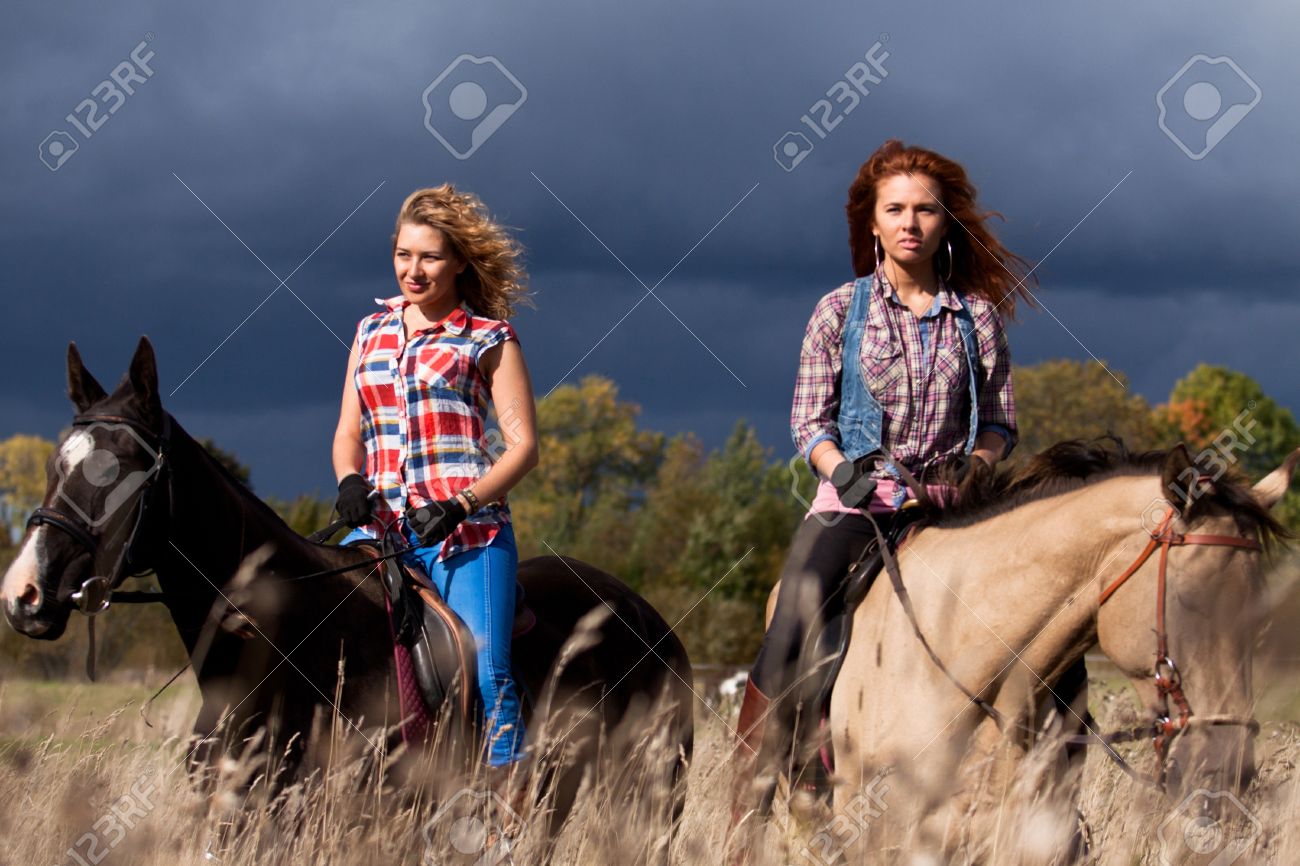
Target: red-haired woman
<point>911,356</point>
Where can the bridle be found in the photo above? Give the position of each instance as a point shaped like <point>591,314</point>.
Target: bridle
<point>1168,679</point>
<point>94,594</point>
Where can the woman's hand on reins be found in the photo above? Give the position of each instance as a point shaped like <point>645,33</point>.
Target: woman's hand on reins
<point>852,483</point>
<point>432,523</point>
<point>353,504</point>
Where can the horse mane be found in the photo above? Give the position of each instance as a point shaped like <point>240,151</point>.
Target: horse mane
<point>127,405</point>
<point>1073,464</point>
<point>242,490</point>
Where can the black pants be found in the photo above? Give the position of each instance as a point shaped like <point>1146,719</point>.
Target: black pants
<point>812,580</point>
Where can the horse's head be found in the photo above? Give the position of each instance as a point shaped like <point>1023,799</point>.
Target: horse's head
<point>86,537</point>
<point>1214,606</point>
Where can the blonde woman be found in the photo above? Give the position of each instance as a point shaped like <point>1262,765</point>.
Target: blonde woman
<point>409,452</point>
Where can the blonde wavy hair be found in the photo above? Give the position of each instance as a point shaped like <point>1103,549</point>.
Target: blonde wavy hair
<point>494,283</point>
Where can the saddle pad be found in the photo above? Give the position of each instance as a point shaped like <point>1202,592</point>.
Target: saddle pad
<point>410,702</point>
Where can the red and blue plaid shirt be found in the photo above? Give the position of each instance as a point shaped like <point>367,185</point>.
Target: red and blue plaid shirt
<point>914,367</point>
<point>424,407</point>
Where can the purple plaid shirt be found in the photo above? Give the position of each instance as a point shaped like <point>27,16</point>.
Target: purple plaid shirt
<point>914,367</point>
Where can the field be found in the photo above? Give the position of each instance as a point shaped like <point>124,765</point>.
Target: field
<point>87,778</point>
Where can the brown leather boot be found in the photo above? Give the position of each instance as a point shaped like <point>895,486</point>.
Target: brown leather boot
<point>510,783</point>
<point>755,711</point>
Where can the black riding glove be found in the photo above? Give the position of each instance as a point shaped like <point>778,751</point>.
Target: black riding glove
<point>353,505</point>
<point>434,522</point>
<point>852,483</point>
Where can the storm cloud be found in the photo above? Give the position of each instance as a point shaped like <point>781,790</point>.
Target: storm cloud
<point>635,148</point>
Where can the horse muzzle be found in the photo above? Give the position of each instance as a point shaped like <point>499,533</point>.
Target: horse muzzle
<point>36,614</point>
<point>28,617</point>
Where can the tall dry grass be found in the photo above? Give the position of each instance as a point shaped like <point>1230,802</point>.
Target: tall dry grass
<point>82,768</point>
<point>87,776</point>
<point>73,756</point>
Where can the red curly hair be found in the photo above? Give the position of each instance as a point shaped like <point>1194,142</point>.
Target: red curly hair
<point>981,266</point>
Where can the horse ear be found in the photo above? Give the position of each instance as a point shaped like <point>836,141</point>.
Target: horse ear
<point>83,388</point>
<point>1178,478</point>
<point>143,376</point>
<point>1270,489</point>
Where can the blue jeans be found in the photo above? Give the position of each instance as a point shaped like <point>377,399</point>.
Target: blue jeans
<point>479,585</point>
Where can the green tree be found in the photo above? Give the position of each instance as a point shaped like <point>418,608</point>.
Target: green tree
<point>305,514</point>
<point>22,481</point>
<point>1215,403</point>
<point>748,510</point>
<point>730,521</point>
<point>1065,399</point>
<point>1228,412</point>
<point>594,461</point>
<point>703,537</point>
<point>678,491</point>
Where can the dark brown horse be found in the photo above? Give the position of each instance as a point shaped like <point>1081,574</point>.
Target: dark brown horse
<point>130,490</point>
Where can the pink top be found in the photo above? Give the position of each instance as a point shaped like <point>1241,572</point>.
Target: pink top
<point>887,497</point>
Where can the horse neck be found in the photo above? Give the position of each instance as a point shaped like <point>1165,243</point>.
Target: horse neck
<point>1046,562</point>
<point>215,523</point>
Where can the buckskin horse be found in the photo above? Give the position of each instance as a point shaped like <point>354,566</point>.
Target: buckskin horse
<point>944,688</point>
<point>129,490</point>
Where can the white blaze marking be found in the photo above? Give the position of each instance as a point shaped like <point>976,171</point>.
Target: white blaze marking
<point>77,447</point>
<point>25,568</point>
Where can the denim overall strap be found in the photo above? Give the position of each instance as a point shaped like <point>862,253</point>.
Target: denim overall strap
<point>861,419</point>
<point>966,327</point>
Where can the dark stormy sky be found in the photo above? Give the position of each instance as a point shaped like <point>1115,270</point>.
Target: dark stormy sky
<point>632,147</point>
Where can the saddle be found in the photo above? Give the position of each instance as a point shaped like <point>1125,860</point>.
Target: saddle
<point>822,655</point>
<point>435,652</point>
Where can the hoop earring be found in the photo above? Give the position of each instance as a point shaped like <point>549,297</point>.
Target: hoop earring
<point>949,243</point>
<point>875,248</point>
